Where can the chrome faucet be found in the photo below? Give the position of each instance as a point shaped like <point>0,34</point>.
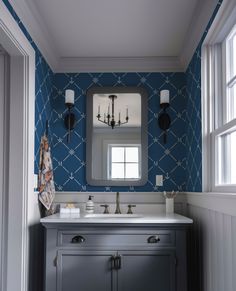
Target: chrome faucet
<point>117,203</point>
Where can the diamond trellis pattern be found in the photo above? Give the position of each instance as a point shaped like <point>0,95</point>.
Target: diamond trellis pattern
<point>168,160</point>
<point>43,88</point>
<point>193,117</point>
<point>180,160</point>
<point>43,109</point>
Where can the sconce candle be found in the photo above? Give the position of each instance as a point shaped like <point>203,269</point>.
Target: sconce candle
<point>165,96</point>
<point>69,96</point>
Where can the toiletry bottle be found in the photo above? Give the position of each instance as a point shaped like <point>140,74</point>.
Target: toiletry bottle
<point>90,205</point>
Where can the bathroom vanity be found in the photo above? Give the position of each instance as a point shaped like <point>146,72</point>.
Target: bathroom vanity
<point>133,253</point>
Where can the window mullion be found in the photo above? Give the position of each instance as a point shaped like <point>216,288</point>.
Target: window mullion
<point>227,160</point>
<point>224,78</point>
<point>217,92</point>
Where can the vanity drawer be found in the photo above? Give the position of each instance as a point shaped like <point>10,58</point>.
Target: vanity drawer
<point>88,239</point>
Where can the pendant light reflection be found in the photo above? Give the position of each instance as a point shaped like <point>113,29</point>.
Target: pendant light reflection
<point>109,118</point>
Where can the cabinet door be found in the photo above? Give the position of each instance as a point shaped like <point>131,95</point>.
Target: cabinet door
<point>85,271</point>
<point>149,271</point>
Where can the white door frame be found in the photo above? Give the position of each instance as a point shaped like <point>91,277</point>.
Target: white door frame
<point>4,159</point>
<point>21,153</point>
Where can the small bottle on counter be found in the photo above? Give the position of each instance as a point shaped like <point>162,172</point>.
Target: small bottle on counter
<point>90,205</point>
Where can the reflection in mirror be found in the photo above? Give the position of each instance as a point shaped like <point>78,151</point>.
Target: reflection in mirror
<point>116,136</point>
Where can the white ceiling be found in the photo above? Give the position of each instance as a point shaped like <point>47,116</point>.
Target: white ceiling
<point>116,28</point>
<point>142,31</point>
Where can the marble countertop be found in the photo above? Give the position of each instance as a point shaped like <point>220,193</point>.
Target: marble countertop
<point>160,218</point>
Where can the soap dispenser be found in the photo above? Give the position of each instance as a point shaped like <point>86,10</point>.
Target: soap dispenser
<point>90,205</point>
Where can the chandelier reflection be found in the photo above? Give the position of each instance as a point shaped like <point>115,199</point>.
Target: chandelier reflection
<point>108,118</point>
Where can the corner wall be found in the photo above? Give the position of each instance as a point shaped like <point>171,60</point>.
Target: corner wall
<point>193,117</point>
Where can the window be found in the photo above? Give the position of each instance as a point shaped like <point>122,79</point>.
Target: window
<point>124,162</point>
<point>229,53</point>
<point>224,135</point>
<point>219,107</point>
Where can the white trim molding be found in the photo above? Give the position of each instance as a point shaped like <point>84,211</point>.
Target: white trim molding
<point>201,17</point>
<point>4,157</point>
<point>21,150</point>
<point>145,64</point>
<point>37,30</point>
<point>220,202</point>
<point>110,197</point>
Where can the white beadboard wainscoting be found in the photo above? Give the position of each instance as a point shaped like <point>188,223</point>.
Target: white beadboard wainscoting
<point>212,241</point>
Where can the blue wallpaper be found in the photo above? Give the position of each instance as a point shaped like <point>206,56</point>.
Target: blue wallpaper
<point>180,160</point>
<point>43,88</point>
<point>168,160</point>
<point>193,117</point>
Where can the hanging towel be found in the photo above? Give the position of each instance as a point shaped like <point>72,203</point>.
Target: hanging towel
<point>46,183</point>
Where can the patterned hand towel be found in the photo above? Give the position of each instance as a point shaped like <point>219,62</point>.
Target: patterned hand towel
<point>46,182</point>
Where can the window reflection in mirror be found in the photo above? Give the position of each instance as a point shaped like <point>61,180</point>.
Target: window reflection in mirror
<point>124,161</point>
<point>116,138</point>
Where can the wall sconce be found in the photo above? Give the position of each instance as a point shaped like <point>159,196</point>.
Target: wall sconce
<point>164,119</point>
<point>69,120</point>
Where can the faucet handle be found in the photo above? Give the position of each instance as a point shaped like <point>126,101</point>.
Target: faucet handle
<point>130,208</point>
<point>106,211</point>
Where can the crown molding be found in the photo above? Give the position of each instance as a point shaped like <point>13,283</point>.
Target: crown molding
<point>201,17</point>
<point>37,30</point>
<point>222,24</point>
<point>141,64</point>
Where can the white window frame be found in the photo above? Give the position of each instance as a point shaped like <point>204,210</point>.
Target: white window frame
<point>110,146</point>
<point>214,96</point>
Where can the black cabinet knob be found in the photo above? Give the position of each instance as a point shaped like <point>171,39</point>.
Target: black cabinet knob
<point>153,239</point>
<point>78,239</point>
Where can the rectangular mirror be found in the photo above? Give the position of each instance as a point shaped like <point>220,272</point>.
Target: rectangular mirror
<point>116,145</point>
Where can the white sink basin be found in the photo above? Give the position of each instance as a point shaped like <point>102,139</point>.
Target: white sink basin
<point>102,215</point>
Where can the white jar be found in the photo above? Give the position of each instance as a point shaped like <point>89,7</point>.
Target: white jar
<point>169,205</point>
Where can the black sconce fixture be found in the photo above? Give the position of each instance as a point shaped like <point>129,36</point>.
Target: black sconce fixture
<point>164,119</point>
<point>69,120</point>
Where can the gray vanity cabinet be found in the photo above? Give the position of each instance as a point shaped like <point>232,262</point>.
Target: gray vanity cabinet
<point>96,270</point>
<point>147,270</point>
<point>115,257</point>
<point>84,270</point>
